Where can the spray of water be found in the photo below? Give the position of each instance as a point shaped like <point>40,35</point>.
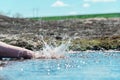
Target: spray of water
<point>50,50</point>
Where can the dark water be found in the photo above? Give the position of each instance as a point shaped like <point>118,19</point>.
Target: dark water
<point>79,66</point>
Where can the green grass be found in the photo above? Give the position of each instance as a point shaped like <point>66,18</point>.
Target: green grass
<point>107,15</point>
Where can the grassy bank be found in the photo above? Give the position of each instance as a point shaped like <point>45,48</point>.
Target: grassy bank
<point>91,34</point>
<point>109,15</point>
<point>105,43</point>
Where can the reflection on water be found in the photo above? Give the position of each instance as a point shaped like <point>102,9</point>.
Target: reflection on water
<point>79,66</point>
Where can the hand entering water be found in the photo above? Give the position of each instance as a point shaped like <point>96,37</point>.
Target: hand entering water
<point>53,56</point>
<point>9,51</point>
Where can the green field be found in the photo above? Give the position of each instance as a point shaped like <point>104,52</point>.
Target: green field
<point>107,15</point>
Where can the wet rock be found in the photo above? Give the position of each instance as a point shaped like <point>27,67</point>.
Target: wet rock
<point>58,38</point>
<point>3,63</point>
<point>96,48</point>
<point>118,48</point>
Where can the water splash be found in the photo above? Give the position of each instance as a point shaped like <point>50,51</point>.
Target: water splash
<point>50,50</point>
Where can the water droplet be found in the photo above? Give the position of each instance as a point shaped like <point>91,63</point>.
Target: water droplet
<point>1,68</point>
<point>48,73</point>
<point>78,66</point>
<point>58,68</point>
<point>21,69</point>
<point>48,70</point>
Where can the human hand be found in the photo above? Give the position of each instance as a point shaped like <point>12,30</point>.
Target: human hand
<point>52,56</point>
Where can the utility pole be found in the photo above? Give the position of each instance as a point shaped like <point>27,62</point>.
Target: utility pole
<point>35,12</point>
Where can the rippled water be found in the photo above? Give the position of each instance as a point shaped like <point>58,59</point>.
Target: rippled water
<point>78,66</point>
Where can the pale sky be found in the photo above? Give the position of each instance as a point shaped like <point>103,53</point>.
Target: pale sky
<point>30,8</point>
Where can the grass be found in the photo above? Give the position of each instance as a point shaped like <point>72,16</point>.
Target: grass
<point>105,43</point>
<point>107,15</point>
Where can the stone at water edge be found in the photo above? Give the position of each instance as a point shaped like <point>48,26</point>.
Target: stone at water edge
<point>3,63</point>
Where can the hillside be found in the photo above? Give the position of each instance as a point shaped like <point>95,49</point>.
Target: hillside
<point>86,33</point>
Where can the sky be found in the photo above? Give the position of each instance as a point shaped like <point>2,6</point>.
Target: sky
<point>40,8</point>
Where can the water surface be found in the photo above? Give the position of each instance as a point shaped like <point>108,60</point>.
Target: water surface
<point>78,66</point>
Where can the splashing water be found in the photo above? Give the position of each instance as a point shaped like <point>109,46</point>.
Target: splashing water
<point>50,50</point>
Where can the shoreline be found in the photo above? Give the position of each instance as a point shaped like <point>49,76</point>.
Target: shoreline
<point>5,62</point>
<point>70,52</point>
